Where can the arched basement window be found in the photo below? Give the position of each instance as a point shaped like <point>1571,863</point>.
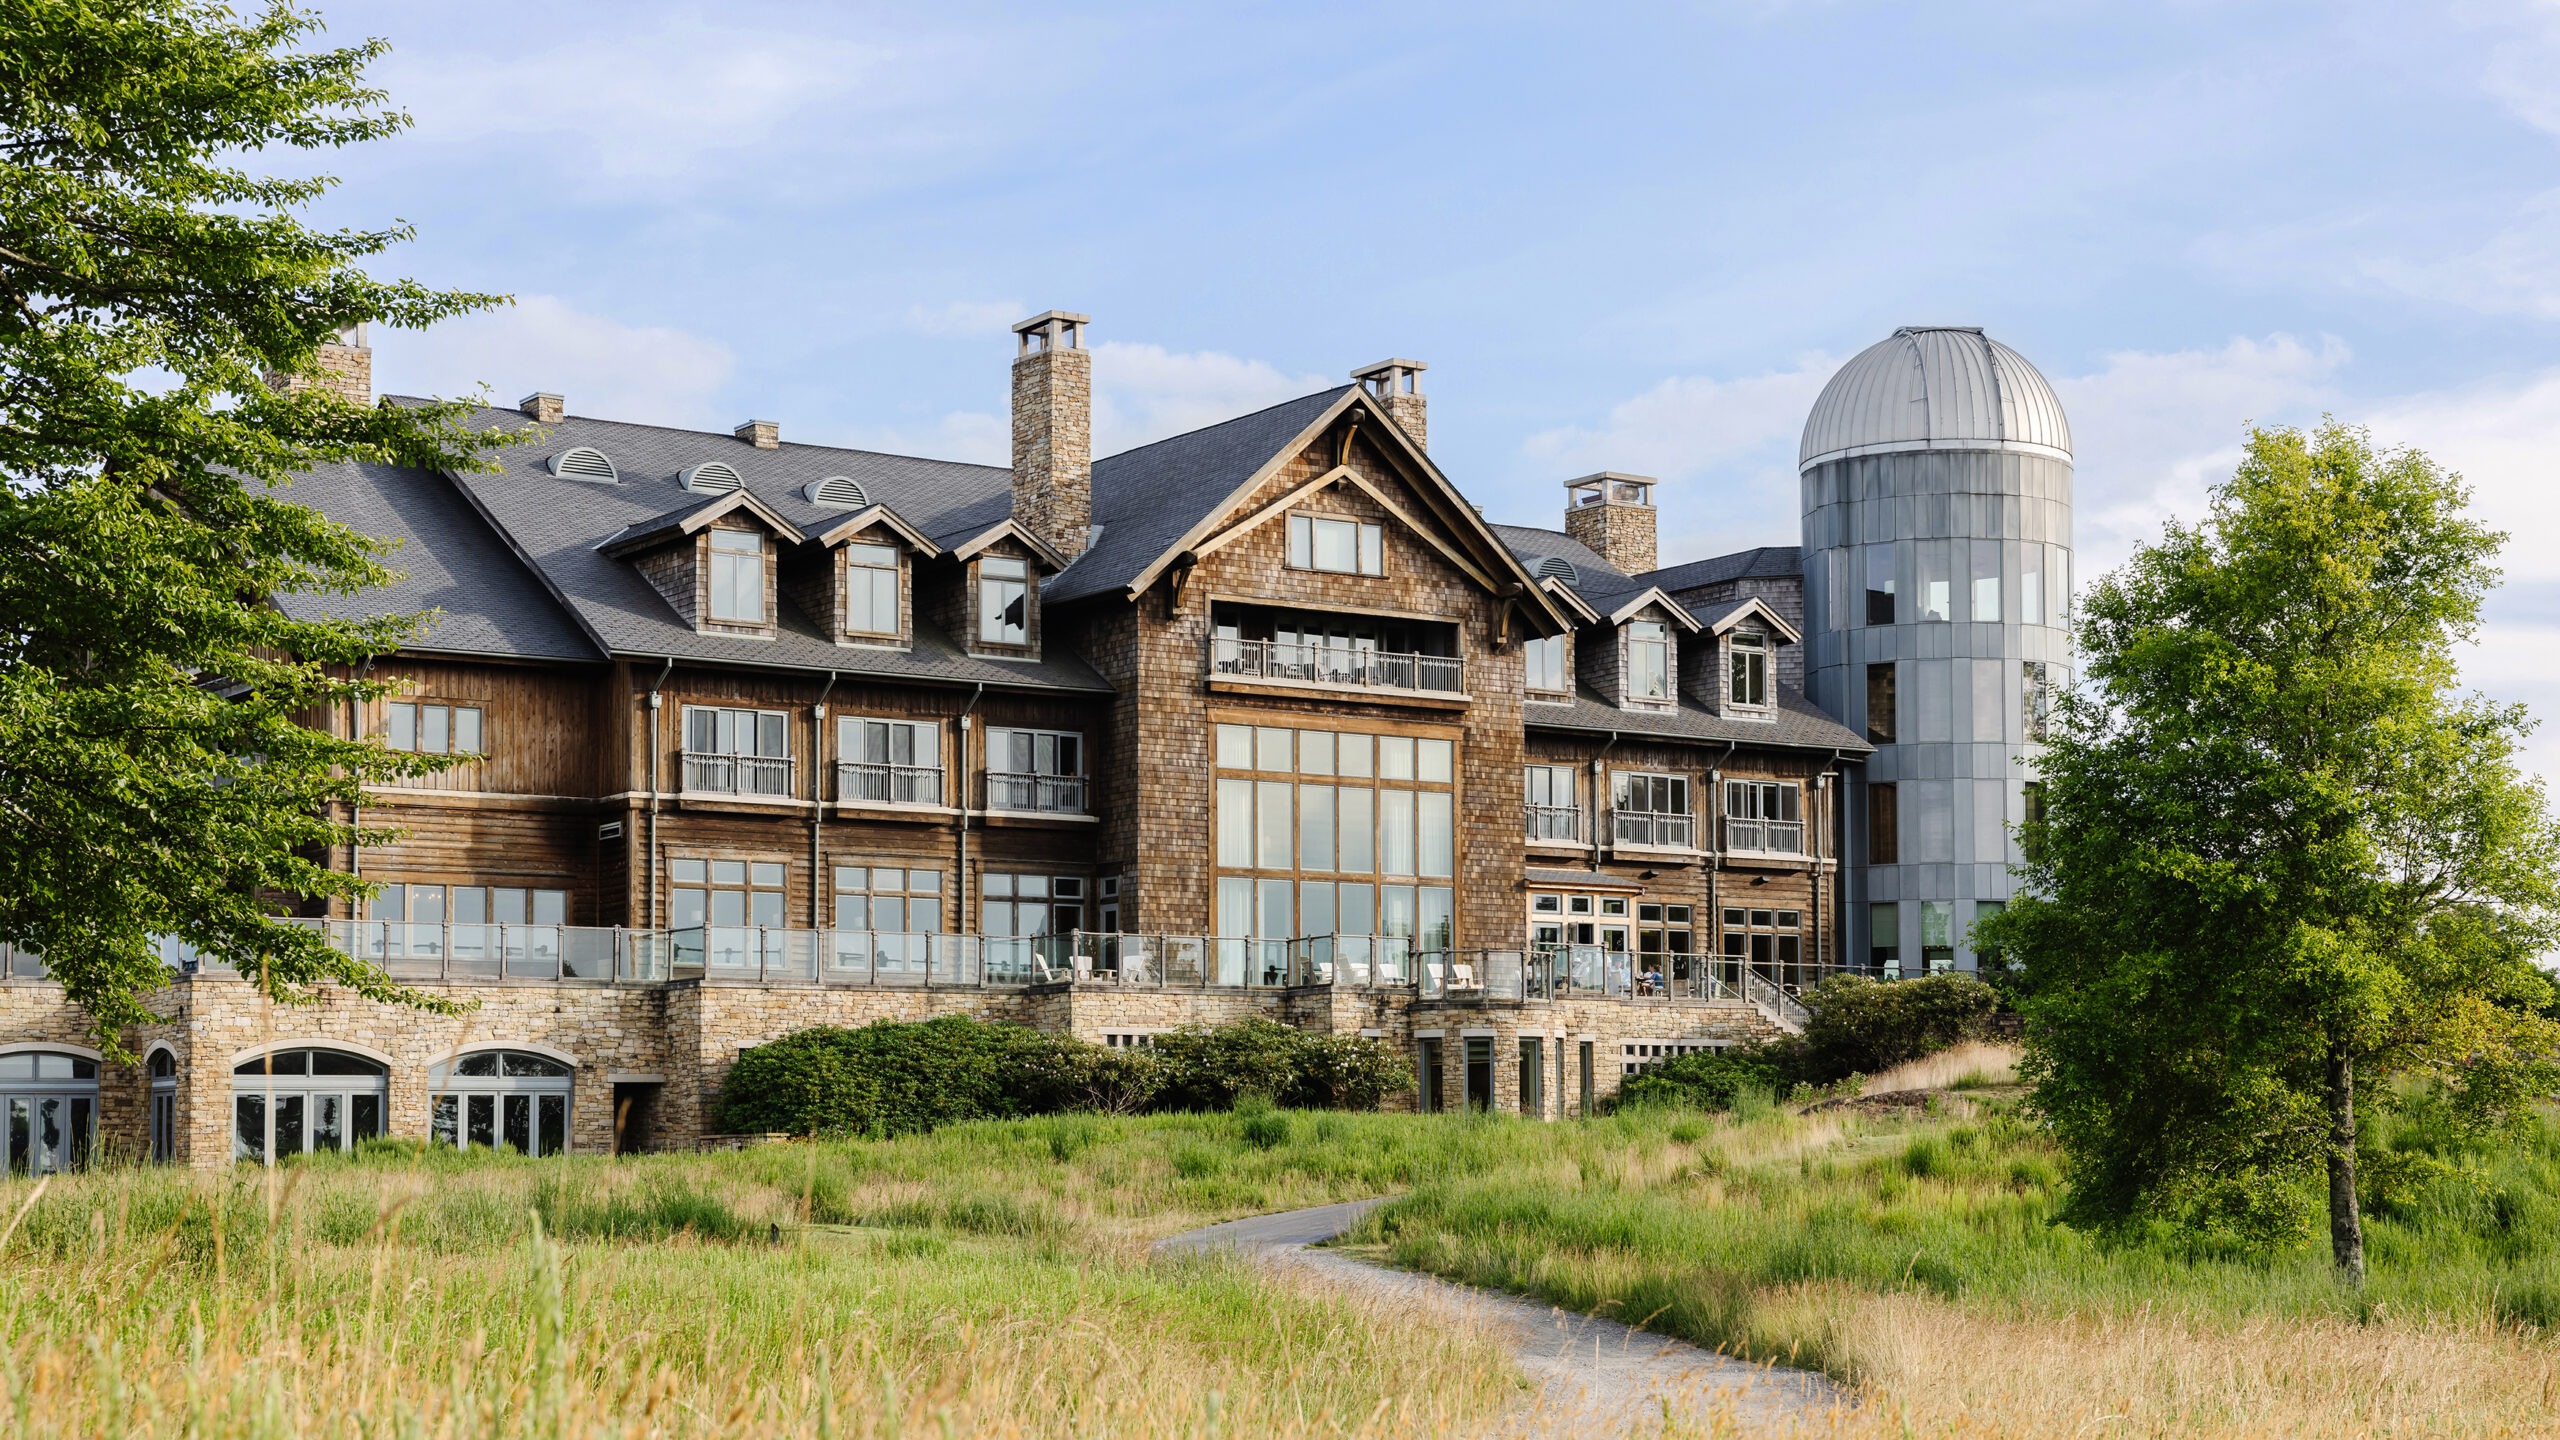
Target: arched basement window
<point>292,1102</point>
<point>513,1098</point>
<point>164,1107</point>
<point>49,1104</point>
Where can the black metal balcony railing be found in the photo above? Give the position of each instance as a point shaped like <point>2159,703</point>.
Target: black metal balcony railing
<point>1337,665</point>
<point>716,774</point>
<point>1656,828</point>
<point>889,784</point>
<point>1554,822</point>
<point>1021,790</point>
<point>1765,837</point>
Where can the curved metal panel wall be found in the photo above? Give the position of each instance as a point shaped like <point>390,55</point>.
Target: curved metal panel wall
<point>1935,525</point>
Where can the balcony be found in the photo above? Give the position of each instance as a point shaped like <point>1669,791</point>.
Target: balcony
<point>1764,837</point>
<point>1553,822</point>
<point>1653,829</point>
<point>1346,666</point>
<point>709,773</point>
<point>860,782</point>
<point>1047,794</point>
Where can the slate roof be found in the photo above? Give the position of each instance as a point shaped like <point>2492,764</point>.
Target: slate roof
<point>1532,544</point>
<point>451,562</point>
<point>1768,561</point>
<point>1797,723</point>
<point>554,524</point>
<point>1148,498</point>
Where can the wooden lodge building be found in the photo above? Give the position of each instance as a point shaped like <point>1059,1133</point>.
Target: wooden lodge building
<point>1260,719</point>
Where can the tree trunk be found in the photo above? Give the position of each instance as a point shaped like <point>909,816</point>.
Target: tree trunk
<point>2346,1225</point>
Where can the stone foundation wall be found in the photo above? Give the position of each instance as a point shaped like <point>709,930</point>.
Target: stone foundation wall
<point>684,1038</point>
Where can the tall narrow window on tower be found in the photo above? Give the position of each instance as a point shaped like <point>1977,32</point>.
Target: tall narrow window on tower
<point>1986,582</point>
<point>2030,584</point>
<point>2035,695</point>
<point>1937,601</point>
<point>1884,825</point>
<point>1879,584</point>
<point>1880,704</point>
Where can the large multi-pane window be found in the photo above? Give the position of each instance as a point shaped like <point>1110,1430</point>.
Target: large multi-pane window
<point>291,1102</point>
<point>1545,659</point>
<point>1337,546</point>
<point>1648,662</point>
<point>1015,904</point>
<point>501,1099</point>
<point>715,907</point>
<point>1750,679</point>
<point>429,729</point>
<point>890,898</point>
<point>1768,943</point>
<point>889,762</point>
<point>871,589</point>
<point>737,752</point>
<point>49,1104</point>
<point>1004,601</point>
<point>1035,770</point>
<point>737,577</point>
<point>1324,832</point>
<point>420,920</point>
<point>1651,809</point>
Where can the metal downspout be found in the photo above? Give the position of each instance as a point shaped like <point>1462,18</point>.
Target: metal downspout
<point>818,771</point>
<point>656,701</point>
<point>1596,773</point>
<point>960,880</point>
<point>1715,865</point>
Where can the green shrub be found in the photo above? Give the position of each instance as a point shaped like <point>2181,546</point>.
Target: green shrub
<point>898,1078</point>
<point>1861,1026</point>
<point>1701,1079</point>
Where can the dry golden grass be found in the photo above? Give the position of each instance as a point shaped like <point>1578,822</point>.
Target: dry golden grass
<point>1971,1063</point>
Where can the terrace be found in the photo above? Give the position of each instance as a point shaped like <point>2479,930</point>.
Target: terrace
<point>862,959</point>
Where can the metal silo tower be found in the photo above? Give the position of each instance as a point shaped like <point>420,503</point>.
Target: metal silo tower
<point>1937,554</point>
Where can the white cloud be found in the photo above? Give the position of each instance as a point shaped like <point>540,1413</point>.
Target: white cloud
<point>633,105</point>
<point>1143,393</point>
<point>2151,432</point>
<point>1726,447</point>
<point>2502,438</point>
<point>605,368</point>
<point>966,318</point>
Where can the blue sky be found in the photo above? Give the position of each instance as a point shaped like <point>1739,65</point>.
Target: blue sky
<point>1631,237</point>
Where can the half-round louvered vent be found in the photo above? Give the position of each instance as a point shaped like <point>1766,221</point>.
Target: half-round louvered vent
<point>1557,567</point>
<point>584,462</point>
<point>841,492</point>
<point>709,478</point>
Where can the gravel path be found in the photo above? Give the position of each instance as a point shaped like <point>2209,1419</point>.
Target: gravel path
<point>1594,1376</point>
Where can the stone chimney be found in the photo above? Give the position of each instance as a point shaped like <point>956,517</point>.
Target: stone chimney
<point>1612,514</point>
<point>346,365</point>
<point>543,407</point>
<point>1053,430</point>
<point>1397,386</point>
<point>762,434</point>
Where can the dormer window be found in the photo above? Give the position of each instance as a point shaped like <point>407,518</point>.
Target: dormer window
<point>1337,546</point>
<point>1749,685</point>
<point>871,590</point>
<point>1648,663</point>
<point>1545,656</point>
<point>1004,601</point>
<point>737,577</point>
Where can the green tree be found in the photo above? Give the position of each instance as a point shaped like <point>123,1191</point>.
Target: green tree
<point>2282,857</point>
<point>156,774</point>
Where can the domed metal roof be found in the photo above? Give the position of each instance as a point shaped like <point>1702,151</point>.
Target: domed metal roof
<point>1937,387</point>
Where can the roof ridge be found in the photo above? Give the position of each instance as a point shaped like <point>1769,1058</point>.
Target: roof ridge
<point>783,447</point>
<point>1222,424</point>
